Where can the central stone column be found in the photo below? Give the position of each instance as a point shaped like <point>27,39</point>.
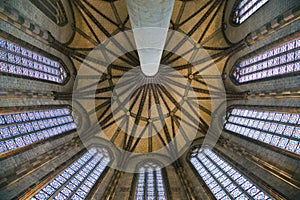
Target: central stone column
<point>150,24</point>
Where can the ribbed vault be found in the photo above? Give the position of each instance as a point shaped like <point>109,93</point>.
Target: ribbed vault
<point>154,112</point>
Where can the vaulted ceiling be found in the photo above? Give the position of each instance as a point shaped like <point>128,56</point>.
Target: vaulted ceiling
<point>158,109</point>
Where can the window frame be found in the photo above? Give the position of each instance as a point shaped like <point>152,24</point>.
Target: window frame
<point>261,50</point>
<point>36,50</point>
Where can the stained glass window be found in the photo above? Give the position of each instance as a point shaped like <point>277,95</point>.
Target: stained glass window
<point>223,180</point>
<point>27,127</point>
<point>279,129</point>
<point>245,8</point>
<point>281,60</point>
<point>77,180</point>
<point>17,60</point>
<point>150,184</point>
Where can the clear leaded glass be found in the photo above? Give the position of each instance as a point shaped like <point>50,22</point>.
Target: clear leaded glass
<point>76,181</point>
<point>245,8</point>
<point>223,180</point>
<point>24,128</point>
<point>18,60</point>
<point>279,129</point>
<point>150,185</point>
<point>281,60</point>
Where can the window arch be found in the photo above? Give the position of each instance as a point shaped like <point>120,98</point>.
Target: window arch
<point>245,8</point>
<point>77,180</point>
<point>223,180</point>
<point>19,129</point>
<point>150,183</point>
<point>24,60</point>
<point>270,62</point>
<point>268,125</point>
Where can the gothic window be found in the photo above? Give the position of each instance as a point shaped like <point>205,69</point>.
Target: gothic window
<point>150,184</point>
<point>223,180</point>
<point>20,129</point>
<point>277,128</point>
<point>20,61</point>
<point>245,8</point>
<point>54,9</point>
<point>77,180</point>
<point>283,59</point>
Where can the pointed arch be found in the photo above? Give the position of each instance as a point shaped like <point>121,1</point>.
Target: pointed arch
<point>243,9</point>
<point>149,183</point>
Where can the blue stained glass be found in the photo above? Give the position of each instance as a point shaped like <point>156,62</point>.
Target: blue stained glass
<point>70,171</point>
<point>280,129</point>
<point>27,139</point>
<point>33,137</point>
<point>37,115</point>
<point>282,143</point>
<point>49,190</point>
<point>66,175</point>
<point>2,147</point>
<point>246,185</point>
<point>60,179</point>
<point>45,133</point>
<point>5,133</point>
<point>262,136</point>
<point>261,196</point>
<point>294,118</point>
<point>226,182</point>
<point>35,126</point>
<point>42,195</point>
<point>253,190</point>
<point>91,179</point>
<point>31,116</point>
<point>14,130</point>
<point>19,141</point>
<point>22,128</point>
<point>81,193</point>
<point>41,124</point>
<point>9,119</point>
<point>271,116</point>
<point>85,188</point>
<point>292,145</point>
<point>10,144</point>
<point>24,117</point>
<point>236,193</point>
<point>76,182</point>
<point>288,130</point>
<point>17,118</point>
<point>66,191</point>
<point>42,114</point>
<point>273,127</point>
<point>60,196</point>
<point>3,66</point>
<point>296,132</point>
<point>220,194</point>
<point>76,197</point>
<point>268,138</point>
<point>285,117</point>
<point>242,197</point>
<point>234,188</point>
<point>40,135</point>
<point>28,126</point>
<point>71,186</point>
<point>275,140</point>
